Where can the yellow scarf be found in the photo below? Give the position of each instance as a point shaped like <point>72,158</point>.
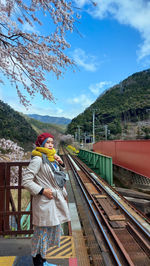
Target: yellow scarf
<point>50,153</point>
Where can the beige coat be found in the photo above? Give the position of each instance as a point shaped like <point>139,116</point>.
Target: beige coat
<point>46,212</point>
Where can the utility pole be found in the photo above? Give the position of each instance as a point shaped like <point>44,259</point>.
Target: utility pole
<point>85,137</point>
<point>78,133</point>
<point>106,131</point>
<point>94,125</point>
<point>75,135</point>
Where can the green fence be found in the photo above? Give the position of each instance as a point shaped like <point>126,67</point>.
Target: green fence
<point>100,163</point>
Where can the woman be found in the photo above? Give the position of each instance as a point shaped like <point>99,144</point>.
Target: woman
<point>49,205</point>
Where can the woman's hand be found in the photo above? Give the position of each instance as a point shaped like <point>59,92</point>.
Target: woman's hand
<point>48,193</point>
<point>58,159</point>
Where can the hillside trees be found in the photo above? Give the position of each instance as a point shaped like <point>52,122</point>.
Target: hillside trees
<point>26,50</point>
<point>13,126</point>
<point>118,106</point>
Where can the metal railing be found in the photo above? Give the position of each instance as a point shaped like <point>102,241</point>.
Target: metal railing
<point>100,163</point>
<point>15,210</point>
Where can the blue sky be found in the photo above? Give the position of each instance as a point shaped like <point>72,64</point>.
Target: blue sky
<point>114,42</point>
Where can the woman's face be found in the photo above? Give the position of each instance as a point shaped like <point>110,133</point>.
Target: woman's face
<point>49,144</point>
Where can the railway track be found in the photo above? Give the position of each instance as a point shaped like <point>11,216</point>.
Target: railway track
<point>122,229</point>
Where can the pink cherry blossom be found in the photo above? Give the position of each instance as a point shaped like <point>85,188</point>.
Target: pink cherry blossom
<point>26,52</point>
<point>11,152</point>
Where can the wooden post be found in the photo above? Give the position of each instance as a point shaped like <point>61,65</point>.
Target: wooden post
<point>7,197</point>
<point>2,195</point>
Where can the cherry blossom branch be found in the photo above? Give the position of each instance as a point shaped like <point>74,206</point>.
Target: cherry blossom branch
<point>30,54</point>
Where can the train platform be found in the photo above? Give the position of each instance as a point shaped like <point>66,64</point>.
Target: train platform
<point>102,222</point>
<point>72,251</point>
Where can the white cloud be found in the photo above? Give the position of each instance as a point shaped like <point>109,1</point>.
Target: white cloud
<point>78,105</point>
<point>128,12</point>
<point>53,111</point>
<point>81,3</point>
<point>87,61</point>
<point>98,88</point>
<point>26,27</point>
<point>57,112</point>
<point>34,109</point>
<point>82,100</point>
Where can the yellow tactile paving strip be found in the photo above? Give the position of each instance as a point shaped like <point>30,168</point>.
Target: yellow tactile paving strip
<point>66,249</point>
<point>81,250</point>
<point>7,261</point>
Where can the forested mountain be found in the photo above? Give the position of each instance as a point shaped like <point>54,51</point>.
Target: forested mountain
<point>40,127</point>
<point>23,129</point>
<point>13,126</point>
<point>51,119</point>
<point>122,108</point>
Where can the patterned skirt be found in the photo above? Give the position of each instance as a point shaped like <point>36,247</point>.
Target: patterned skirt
<point>44,238</point>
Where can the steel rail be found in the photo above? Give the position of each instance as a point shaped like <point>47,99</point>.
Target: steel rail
<point>102,230</point>
<point>117,241</point>
<point>137,236</point>
<point>145,245</point>
<point>115,198</point>
<point>138,239</point>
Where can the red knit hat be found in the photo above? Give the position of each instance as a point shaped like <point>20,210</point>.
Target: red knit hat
<point>42,137</point>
